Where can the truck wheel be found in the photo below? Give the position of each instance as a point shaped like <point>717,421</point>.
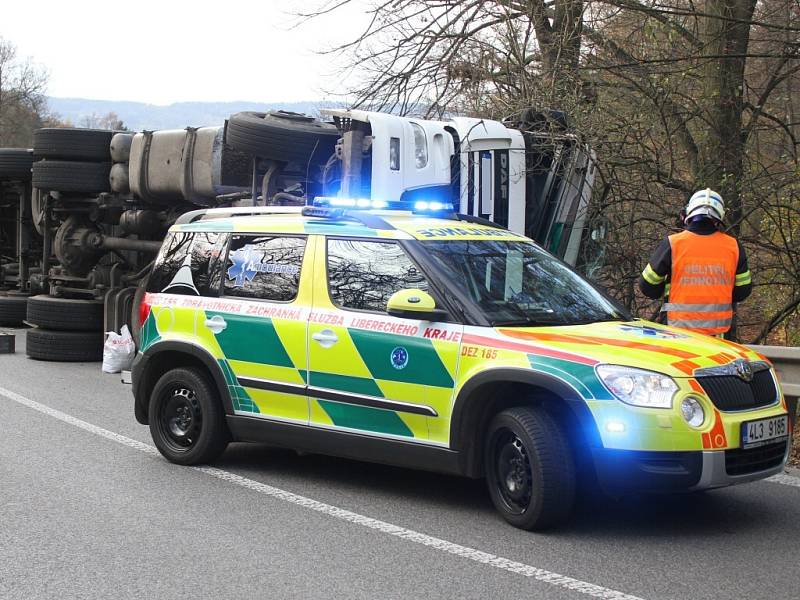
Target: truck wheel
<point>530,470</point>
<point>16,163</point>
<point>71,176</point>
<point>281,135</point>
<point>72,144</point>
<point>186,418</point>
<point>65,314</point>
<point>12,310</point>
<point>64,346</point>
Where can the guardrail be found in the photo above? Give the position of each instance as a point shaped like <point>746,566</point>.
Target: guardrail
<point>787,364</point>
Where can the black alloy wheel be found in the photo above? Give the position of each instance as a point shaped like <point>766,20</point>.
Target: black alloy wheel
<point>530,470</point>
<point>186,417</point>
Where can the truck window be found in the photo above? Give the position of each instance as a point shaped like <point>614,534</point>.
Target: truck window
<point>264,267</point>
<point>362,275</point>
<point>184,264</point>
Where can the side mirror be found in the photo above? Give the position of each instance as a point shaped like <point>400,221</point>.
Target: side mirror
<point>414,304</point>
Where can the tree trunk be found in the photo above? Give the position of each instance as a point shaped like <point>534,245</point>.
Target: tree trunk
<point>725,33</point>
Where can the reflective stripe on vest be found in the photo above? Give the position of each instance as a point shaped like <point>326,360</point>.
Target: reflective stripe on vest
<point>702,278</point>
<point>701,323</point>
<point>670,306</point>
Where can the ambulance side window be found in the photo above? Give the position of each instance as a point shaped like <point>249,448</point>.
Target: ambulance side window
<point>185,263</point>
<point>264,267</point>
<point>362,275</point>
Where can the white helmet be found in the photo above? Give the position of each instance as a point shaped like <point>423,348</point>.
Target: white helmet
<point>705,202</point>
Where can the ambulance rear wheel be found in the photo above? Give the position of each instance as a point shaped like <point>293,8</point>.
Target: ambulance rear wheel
<point>186,418</point>
<point>530,471</point>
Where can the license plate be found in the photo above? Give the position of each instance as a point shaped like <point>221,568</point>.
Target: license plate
<point>763,431</point>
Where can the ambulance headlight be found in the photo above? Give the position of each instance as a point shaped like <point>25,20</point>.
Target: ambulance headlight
<point>638,387</point>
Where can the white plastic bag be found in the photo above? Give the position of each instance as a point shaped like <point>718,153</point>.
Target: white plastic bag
<point>118,351</point>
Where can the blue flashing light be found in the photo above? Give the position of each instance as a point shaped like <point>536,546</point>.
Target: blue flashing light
<point>432,206</point>
<point>363,203</point>
<point>418,206</point>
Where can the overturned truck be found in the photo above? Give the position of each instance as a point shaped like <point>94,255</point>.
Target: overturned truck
<point>83,213</point>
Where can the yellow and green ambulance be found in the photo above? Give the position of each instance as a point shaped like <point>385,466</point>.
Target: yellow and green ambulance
<point>438,341</point>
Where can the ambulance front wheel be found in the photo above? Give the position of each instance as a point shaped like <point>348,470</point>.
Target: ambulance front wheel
<point>530,471</point>
<point>187,421</point>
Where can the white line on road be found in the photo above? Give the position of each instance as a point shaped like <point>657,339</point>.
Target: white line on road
<point>555,579</point>
<point>785,479</point>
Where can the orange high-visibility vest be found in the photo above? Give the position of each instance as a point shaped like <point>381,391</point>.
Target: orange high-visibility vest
<point>701,281</point>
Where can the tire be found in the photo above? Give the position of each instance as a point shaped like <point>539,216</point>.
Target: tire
<point>16,163</point>
<point>73,144</point>
<point>64,346</point>
<point>71,176</point>
<point>65,314</point>
<point>530,470</point>
<point>12,310</point>
<point>283,136</point>
<point>186,418</point>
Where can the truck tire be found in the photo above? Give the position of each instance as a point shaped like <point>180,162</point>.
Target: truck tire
<point>530,470</point>
<point>281,135</point>
<point>72,144</point>
<point>71,176</point>
<point>16,163</point>
<point>12,310</point>
<point>65,314</point>
<point>64,346</point>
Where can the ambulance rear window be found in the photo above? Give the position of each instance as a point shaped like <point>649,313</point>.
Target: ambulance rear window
<point>264,267</point>
<point>186,263</point>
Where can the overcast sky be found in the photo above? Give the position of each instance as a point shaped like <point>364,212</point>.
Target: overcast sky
<point>178,50</point>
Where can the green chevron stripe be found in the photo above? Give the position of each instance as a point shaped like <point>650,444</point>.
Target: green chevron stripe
<point>365,418</point>
<point>582,377</point>
<point>345,383</point>
<point>149,335</point>
<point>424,365</point>
<point>251,339</point>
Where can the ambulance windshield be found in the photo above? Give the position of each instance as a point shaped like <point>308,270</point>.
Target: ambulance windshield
<point>518,283</point>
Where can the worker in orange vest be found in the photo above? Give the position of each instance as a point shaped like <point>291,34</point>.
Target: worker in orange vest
<point>701,272</point>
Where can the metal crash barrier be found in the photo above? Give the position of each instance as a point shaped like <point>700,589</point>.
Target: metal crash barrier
<point>787,364</point>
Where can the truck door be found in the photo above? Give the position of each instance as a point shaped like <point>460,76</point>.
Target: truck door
<point>266,295</point>
<point>368,371</point>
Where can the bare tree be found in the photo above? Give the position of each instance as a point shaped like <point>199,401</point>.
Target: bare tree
<point>673,95</point>
<point>22,101</point>
<point>109,120</point>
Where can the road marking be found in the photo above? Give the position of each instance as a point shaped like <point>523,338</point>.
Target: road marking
<point>498,562</point>
<point>785,479</point>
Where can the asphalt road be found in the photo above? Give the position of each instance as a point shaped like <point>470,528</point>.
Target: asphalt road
<point>88,510</point>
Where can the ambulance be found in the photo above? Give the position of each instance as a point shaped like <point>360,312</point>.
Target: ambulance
<point>407,333</point>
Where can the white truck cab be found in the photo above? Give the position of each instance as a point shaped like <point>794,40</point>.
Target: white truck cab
<point>537,183</point>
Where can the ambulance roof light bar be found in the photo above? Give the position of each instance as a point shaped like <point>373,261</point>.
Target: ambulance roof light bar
<point>441,209</point>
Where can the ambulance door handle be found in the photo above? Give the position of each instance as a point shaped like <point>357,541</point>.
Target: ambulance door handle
<point>216,324</point>
<point>325,338</point>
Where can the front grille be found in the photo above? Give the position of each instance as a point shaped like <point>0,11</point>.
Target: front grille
<point>742,462</point>
<point>729,392</point>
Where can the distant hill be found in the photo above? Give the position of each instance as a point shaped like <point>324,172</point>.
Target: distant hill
<point>138,116</point>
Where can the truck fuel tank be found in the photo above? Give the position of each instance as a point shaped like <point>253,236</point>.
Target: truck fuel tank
<point>192,165</point>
